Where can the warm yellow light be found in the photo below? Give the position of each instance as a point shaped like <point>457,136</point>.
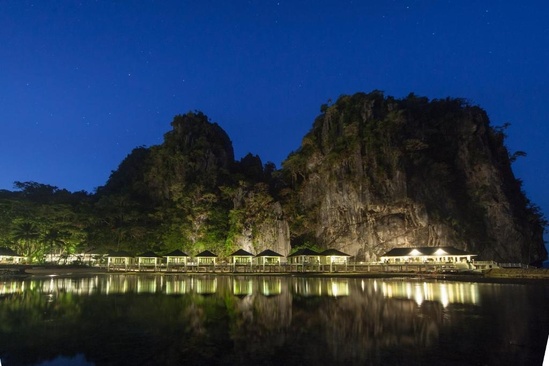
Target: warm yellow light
<point>444,297</point>
<point>338,288</point>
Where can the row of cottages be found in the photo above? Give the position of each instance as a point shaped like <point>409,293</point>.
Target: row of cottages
<point>298,260</point>
<point>303,259</point>
<point>179,260</point>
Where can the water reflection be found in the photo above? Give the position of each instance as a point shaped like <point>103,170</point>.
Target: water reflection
<point>242,287</point>
<point>207,319</point>
<point>271,286</point>
<point>172,285</point>
<point>442,292</point>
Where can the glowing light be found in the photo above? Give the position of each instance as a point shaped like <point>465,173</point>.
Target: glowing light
<point>418,296</point>
<point>415,252</point>
<point>444,299</point>
<point>269,287</point>
<point>338,288</point>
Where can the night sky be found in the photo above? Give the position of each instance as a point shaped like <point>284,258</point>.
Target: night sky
<point>83,83</point>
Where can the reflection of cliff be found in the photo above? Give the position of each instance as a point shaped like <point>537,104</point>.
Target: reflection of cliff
<point>263,320</point>
<point>368,328</point>
<point>260,323</point>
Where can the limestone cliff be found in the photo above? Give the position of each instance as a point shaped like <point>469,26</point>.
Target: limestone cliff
<point>189,193</point>
<point>375,172</point>
<point>372,174</point>
<point>257,221</point>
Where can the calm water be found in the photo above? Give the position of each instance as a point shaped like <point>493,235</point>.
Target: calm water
<point>256,320</point>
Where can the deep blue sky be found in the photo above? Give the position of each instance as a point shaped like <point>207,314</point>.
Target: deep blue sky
<point>82,83</point>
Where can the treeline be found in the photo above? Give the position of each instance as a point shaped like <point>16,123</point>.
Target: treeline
<point>39,219</point>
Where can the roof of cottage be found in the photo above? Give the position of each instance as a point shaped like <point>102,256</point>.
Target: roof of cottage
<point>121,253</point>
<point>304,251</point>
<point>148,254</point>
<point>334,253</point>
<point>176,253</point>
<point>206,253</point>
<point>269,253</point>
<point>241,253</point>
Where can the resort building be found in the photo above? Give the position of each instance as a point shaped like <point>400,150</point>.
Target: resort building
<point>268,258</point>
<point>420,255</point>
<point>119,260</point>
<point>176,259</point>
<point>8,256</point>
<point>333,258</point>
<point>241,258</point>
<point>206,258</point>
<point>304,259</point>
<point>148,260</point>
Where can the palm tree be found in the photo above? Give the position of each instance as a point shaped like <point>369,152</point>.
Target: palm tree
<point>26,234</point>
<point>54,238</point>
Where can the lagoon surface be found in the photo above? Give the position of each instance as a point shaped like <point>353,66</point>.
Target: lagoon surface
<point>201,319</point>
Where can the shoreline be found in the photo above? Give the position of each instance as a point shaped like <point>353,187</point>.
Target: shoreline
<point>503,276</point>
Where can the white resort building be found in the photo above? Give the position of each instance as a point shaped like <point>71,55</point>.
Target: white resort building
<point>420,255</point>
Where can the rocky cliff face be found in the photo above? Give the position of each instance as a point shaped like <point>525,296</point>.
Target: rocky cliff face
<point>375,173</point>
<point>273,232</point>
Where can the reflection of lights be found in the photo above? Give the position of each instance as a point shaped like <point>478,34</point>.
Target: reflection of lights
<point>11,288</point>
<point>362,285</point>
<point>338,288</point>
<point>474,293</point>
<point>445,293</point>
<point>418,296</point>
<point>308,287</point>
<point>271,287</point>
<point>206,285</point>
<point>176,287</point>
<point>51,285</point>
<point>242,287</point>
<point>146,285</point>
